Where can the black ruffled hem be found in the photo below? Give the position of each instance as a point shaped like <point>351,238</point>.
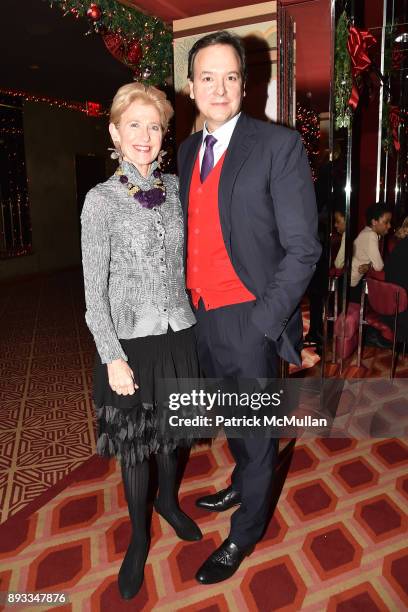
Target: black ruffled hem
<point>133,437</point>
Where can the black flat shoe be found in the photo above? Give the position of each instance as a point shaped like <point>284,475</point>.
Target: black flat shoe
<point>183,525</point>
<point>131,573</point>
<point>222,563</point>
<point>223,500</point>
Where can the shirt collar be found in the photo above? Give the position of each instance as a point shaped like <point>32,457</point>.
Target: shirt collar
<point>224,132</point>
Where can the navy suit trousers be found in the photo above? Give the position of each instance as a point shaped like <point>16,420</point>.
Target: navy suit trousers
<point>230,346</point>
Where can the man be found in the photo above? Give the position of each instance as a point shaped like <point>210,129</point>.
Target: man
<point>366,253</point>
<point>251,249</point>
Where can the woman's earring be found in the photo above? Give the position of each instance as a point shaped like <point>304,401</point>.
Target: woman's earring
<point>160,156</point>
<point>116,152</point>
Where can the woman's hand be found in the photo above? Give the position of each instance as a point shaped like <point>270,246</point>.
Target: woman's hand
<point>121,377</point>
<point>364,268</point>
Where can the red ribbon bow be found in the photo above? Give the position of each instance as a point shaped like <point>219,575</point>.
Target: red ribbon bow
<point>358,43</point>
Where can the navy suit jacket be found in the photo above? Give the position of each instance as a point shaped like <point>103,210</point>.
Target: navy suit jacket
<point>268,217</point>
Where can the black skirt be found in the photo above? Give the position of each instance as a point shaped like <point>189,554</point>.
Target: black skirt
<point>128,424</point>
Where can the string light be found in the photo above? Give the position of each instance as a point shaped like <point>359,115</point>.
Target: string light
<point>81,107</point>
<point>15,234</point>
<point>307,123</point>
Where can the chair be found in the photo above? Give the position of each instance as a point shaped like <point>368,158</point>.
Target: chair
<point>383,299</point>
<point>334,275</point>
<point>350,332</point>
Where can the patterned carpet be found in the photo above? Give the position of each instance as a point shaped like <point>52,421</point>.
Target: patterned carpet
<point>336,542</point>
<point>46,420</point>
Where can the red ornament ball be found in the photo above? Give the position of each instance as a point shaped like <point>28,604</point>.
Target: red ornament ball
<point>115,44</point>
<point>134,53</point>
<point>94,12</point>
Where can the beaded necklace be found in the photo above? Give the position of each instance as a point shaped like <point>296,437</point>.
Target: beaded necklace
<point>148,198</point>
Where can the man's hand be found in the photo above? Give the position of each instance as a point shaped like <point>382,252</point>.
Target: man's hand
<point>121,377</point>
<point>364,268</point>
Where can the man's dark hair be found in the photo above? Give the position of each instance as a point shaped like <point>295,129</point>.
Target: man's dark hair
<point>218,38</point>
<point>375,211</point>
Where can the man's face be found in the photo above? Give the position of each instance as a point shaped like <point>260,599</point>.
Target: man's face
<point>382,225</point>
<point>217,86</point>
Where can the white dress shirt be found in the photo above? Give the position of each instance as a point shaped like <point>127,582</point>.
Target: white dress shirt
<point>223,135</point>
<point>339,261</point>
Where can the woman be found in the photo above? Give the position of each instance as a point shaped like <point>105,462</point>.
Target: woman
<point>138,313</point>
<point>402,231</point>
<point>340,226</point>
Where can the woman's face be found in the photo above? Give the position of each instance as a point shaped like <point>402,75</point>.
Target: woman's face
<point>339,222</point>
<point>139,135</point>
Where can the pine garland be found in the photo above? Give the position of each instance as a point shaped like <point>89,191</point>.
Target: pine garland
<point>108,16</point>
<point>342,75</point>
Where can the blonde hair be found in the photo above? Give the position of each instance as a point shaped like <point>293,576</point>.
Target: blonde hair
<point>402,231</point>
<point>146,94</point>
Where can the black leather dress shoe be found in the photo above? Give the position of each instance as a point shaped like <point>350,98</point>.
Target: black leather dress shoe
<point>222,563</point>
<point>223,500</point>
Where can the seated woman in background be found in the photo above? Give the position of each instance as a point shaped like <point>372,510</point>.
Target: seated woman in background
<point>366,253</point>
<point>340,225</point>
<point>138,313</point>
<point>399,234</point>
<point>402,231</point>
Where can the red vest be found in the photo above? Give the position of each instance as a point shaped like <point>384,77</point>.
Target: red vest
<point>210,274</point>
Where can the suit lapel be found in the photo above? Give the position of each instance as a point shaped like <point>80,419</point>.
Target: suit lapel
<point>242,142</point>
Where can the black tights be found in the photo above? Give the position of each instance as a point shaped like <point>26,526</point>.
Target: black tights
<point>136,484</point>
<point>136,481</point>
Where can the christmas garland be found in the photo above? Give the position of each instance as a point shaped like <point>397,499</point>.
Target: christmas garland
<point>343,82</point>
<point>142,42</point>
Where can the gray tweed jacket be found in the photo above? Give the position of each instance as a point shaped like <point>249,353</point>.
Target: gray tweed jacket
<point>133,264</point>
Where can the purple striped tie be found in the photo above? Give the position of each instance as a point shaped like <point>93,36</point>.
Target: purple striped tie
<point>207,163</point>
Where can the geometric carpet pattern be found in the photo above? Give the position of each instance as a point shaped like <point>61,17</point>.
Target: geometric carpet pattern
<point>337,540</point>
<point>46,419</point>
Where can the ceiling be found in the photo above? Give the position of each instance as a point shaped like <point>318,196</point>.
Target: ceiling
<point>71,65</point>
<point>44,53</point>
